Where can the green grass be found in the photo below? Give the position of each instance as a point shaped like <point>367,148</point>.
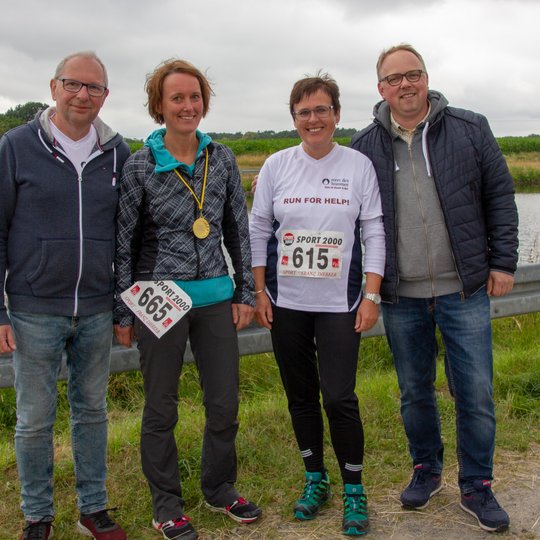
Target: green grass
<point>508,145</point>
<point>270,468</point>
<point>514,145</point>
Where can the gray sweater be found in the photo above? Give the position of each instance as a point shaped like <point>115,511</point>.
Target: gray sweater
<point>425,260</point>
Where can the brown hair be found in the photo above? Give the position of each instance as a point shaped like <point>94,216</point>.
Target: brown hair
<point>154,85</point>
<point>395,48</point>
<point>309,85</point>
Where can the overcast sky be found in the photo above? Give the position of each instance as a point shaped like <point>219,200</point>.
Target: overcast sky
<point>482,54</point>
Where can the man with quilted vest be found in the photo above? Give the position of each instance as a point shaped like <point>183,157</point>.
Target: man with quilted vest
<point>451,234</point>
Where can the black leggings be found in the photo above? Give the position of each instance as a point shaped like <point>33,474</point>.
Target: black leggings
<point>317,353</point>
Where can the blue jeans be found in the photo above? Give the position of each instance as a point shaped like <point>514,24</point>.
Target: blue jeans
<point>465,327</point>
<point>41,340</point>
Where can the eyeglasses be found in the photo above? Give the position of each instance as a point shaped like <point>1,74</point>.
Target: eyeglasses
<point>94,90</point>
<point>396,78</point>
<point>322,111</point>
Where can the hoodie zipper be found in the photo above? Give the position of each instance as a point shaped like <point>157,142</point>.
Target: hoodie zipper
<point>55,151</point>
<point>425,150</point>
<point>81,231</point>
<point>76,296</point>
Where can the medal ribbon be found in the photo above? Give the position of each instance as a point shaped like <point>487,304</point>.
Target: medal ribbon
<point>201,201</point>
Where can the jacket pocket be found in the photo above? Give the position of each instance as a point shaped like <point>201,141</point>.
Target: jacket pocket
<point>59,267</point>
<point>97,273</point>
<point>56,274</point>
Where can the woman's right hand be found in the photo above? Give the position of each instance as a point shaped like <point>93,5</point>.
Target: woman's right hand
<point>263,310</point>
<point>123,335</point>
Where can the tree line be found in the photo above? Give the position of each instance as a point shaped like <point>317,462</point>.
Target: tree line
<point>21,114</point>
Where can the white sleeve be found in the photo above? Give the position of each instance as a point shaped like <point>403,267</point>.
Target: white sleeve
<point>371,197</point>
<point>260,230</point>
<point>262,216</point>
<point>374,245</point>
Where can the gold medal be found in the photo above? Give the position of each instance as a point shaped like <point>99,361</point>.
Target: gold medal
<point>201,228</point>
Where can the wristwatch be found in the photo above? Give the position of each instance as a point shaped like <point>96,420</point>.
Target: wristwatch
<point>374,297</point>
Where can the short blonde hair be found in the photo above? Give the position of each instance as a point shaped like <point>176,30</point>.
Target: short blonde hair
<point>395,48</point>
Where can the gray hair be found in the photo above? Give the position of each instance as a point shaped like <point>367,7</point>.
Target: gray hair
<point>83,54</point>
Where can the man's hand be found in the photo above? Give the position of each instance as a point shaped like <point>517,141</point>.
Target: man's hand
<point>7,339</point>
<point>499,283</point>
<point>242,315</point>
<point>124,335</point>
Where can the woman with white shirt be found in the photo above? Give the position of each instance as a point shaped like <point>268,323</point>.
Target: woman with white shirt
<point>314,207</point>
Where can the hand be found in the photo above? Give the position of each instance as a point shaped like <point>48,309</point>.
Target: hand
<point>254,183</point>
<point>499,283</point>
<point>124,335</point>
<point>366,316</point>
<point>7,339</point>
<point>242,315</point>
<point>263,310</point>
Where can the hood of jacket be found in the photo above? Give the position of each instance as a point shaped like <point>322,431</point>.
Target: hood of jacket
<point>381,111</point>
<point>107,137</point>
<point>165,161</point>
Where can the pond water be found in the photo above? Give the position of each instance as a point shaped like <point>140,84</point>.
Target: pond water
<point>528,205</point>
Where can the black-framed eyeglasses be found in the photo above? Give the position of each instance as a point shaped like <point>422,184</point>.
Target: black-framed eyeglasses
<point>395,78</point>
<point>94,90</point>
<point>322,111</point>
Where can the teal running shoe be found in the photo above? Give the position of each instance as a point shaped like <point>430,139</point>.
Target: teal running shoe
<point>355,512</point>
<point>316,494</point>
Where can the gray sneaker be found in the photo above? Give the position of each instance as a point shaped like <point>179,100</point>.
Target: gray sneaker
<point>482,504</point>
<point>421,488</point>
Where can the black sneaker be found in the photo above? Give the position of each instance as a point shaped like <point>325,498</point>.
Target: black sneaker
<point>38,530</point>
<point>100,525</point>
<point>176,528</point>
<point>240,510</point>
<point>421,488</point>
<point>482,504</point>
<point>316,493</point>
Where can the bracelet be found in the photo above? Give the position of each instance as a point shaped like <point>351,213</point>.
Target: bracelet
<point>258,292</point>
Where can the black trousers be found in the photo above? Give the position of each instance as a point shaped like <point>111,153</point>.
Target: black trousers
<point>317,354</point>
<point>214,343</point>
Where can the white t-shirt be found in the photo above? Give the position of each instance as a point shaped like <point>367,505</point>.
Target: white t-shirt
<point>79,151</point>
<point>306,228</point>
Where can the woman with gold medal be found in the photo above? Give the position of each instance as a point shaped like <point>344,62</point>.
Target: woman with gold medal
<point>181,200</point>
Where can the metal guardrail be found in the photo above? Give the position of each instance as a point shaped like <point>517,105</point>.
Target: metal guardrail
<point>524,298</point>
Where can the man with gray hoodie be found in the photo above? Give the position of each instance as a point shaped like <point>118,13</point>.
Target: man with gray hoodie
<point>58,180</point>
<point>451,236</point>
